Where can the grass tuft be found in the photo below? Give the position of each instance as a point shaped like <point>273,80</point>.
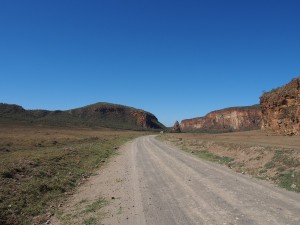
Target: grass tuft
<point>90,221</point>
<point>95,206</point>
<point>290,181</point>
<point>213,158</point>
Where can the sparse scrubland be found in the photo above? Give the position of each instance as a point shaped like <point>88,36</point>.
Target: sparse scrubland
<point>40,166</point>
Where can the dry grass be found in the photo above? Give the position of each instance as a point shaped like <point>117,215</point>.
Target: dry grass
<point>39,166</point>
<point>274,158</point>
<point>255,137</point>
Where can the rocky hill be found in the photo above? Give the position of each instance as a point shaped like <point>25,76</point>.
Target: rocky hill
<point>281,109</point>
<point>99,114</point>
<point>229,119</point>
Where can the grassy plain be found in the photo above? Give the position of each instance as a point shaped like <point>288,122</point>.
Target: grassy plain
<point>273,158</point>
<point>40,166</point>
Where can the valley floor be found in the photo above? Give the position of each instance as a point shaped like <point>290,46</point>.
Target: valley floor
<point>67,176</point>
<point>42,166</point>
<point>150,182</point>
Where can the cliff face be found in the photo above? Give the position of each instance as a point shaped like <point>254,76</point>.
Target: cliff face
<point>146,120</point>
<point>192,124</point>
<point>281,109</point>
<point>99,114</point>
<point>230,119</point>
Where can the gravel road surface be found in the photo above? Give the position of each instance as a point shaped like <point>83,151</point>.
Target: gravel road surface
<point>152,183</point>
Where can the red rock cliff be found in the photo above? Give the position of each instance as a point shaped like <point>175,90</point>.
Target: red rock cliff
<point>230,119</point>
<point>281,109</point>
<point>146,120</point>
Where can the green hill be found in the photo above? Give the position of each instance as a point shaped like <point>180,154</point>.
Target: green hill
<point>96,115</point>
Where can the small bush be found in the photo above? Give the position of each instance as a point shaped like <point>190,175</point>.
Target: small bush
<point>7,174</point>
<point>269,165</point>
<point>281,169</point>
<point>290,181</point>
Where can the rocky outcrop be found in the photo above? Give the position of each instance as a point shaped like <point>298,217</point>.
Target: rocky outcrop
<point>230,119</point>
<point>192,124</point>
<point>281,109</point>
<point>176,127</point>
<point>146,120</point>
<point>99,114</point>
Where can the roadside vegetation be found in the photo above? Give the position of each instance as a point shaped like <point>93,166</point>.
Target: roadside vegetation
<point>40,166</point>
<point>285,169</point>
<point>272,158</point>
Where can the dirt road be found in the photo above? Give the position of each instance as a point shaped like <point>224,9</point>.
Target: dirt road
<point>156,184</point>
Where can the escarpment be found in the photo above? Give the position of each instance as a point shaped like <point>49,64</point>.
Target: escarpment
<point>281,109</point>
<point>229,119</point>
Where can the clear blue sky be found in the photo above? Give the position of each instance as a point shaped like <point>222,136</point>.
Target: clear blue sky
<point>176,59</point>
